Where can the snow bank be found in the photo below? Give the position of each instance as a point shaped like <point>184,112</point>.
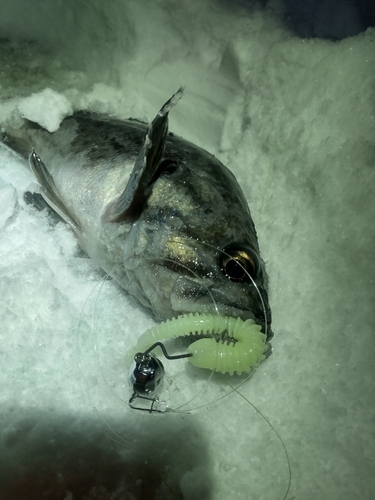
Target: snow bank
<point>293,119</point>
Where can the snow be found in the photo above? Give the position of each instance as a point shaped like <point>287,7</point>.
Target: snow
<point>8,198</point>
<point>48,108</point>
<point>294,120</point>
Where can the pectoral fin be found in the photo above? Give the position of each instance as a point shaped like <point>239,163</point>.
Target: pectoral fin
<point>130,204</point>
<point>49,190</point>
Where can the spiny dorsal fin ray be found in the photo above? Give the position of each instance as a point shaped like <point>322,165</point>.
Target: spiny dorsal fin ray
<point>49,189</point>
<point>130,203</point>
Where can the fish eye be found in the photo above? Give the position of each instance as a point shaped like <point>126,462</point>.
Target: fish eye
<point>237,263</point>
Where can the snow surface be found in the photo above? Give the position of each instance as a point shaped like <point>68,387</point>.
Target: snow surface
<point>48,108</point>
<point>294,120</point>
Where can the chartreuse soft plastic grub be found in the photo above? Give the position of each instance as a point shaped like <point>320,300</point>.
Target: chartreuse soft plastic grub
<point>230,345</point>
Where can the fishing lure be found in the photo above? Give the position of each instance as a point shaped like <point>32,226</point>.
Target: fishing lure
<point>230,345</point>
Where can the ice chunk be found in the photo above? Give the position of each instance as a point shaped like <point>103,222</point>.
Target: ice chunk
<point>8,199</point>
<point>48,108</point>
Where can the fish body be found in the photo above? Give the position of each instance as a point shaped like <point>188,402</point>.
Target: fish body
<point>163,217</point>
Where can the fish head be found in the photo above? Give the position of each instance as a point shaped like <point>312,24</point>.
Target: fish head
<point>194,247</point>
<point>228,281</point>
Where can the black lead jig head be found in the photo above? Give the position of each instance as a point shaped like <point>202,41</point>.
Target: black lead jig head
<point>148,373</point>
<point>147,377</point>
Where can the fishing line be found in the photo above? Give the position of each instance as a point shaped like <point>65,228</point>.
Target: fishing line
<point>178,408</point>
<point>120,439</point>
<point>216,249</point>
<point>185,406</point>
<point>85,341</point>
<point>80,322</point>
<point>276,433</point>
<point>95,326</point>
<point>170,405</point>
<point>108,428</point>
<point>97,351</point>
<point>103,369</point>
<point>236,389</point>
<point>251,280</point>
<point>215,306</point>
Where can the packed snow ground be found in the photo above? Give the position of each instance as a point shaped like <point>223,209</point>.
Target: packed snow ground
<point>294,120</point>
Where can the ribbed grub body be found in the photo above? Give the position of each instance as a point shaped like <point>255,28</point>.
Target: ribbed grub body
<point>240,348</point>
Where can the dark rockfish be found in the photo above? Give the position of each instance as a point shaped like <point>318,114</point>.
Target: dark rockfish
<point>161,216</point>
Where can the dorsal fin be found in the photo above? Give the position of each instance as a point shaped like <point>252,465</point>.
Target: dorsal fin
<point>130,203</point>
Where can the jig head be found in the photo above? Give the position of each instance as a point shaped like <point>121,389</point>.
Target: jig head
<point>147,377</point>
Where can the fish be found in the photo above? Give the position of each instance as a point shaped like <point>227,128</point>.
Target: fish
<point>160,215</point>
